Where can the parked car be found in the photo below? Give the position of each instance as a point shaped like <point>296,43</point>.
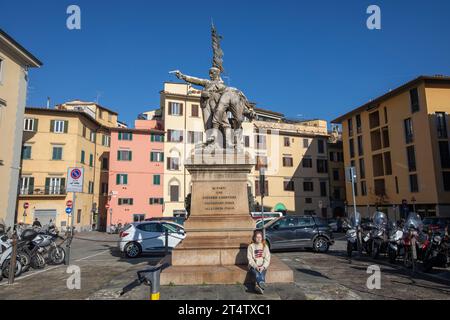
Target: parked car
<point>333,224</point>
<point>435,223</point>
<point>291,232</point>
<point>149,236</point>
<point>178,220</point>
<point>258,215</point>
<point>259,223</point>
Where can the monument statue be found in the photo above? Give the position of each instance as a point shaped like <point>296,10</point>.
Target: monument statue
<point>217,99</point>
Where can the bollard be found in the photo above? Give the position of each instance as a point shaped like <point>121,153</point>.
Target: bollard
<point>12,261</point>
<point>151,278</point>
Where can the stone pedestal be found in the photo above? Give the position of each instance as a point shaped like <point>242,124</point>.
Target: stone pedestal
<point>219,228</point>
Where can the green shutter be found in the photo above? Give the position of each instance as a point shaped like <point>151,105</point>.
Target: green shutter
<point>31,185</point>
<point>120,135</point>
<point>131,201</point>
<point>82,156</point>
<point>63,184</point>
<point>131,155</point>
<point>35,125</point>
<point>152,137</point>
<point>125,179</point>
<point>162,156</point>
<point>117,179</point>
<point>47,185</point>
<point>151,157</point>
<point>66,126</point>
<point>118,155</point>
<point>52,125</point>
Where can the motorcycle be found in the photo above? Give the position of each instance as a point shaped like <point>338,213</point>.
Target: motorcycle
<point>436,252</point>
<point>354,234</point>
<point>379,234</point>
<point>395,246</point>
<point>6,249</point>
<point>412,236</point>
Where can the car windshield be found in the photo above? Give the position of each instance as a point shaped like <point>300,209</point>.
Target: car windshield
<point>270,223</point>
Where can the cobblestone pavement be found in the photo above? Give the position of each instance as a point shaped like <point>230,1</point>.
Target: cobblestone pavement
<point>104,275</point>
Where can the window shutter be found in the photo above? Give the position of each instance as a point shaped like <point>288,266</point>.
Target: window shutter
<point>118,155</point>
<point>35,125</point>
<point>168,163</point>
<point>181,109</point>
<point>151,156</point>
<point>117,178</point>
<point>131,155</point>
<point>52,125</point>
<point>162,156</point>
<point>31,185</point>
<point>66,126</point>
<point>169,135</point>
<point>120,135</point>
<point>47,185</point>
<point>170,109</point>
<point>63,184</point>
<point>125,179</point>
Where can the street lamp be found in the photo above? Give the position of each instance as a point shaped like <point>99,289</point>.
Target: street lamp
<point>262,191</point>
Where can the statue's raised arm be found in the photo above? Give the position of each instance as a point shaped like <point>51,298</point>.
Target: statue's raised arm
<point>193,80</point>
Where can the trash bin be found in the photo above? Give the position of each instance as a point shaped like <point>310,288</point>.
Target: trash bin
<point>150,277</point>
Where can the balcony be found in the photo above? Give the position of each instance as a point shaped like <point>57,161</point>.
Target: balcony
<point>43,191</point>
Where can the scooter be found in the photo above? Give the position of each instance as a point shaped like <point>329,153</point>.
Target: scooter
<point>6,249</point>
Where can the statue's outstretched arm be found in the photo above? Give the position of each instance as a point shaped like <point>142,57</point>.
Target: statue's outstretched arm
<point>193,80</point>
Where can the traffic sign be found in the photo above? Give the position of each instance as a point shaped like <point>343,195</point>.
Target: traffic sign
<point>75,180</point>
<point>69,203</point>
<point>26,205</point>
<point>68,210</point>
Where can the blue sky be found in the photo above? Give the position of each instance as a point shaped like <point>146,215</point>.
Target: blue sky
<point>315,59</point>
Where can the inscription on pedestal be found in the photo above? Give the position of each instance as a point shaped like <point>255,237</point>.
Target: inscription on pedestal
<point>220,200</point>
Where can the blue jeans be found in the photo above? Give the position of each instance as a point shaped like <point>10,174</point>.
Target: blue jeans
<point>260,276</point>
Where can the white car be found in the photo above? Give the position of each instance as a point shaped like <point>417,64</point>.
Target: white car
<point>149,236</point>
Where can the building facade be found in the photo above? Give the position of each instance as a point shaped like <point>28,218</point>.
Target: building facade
<point>15,62</point>
<point>293,184</point>
<point>136,173</point>
<point>399,145</point>
<point>336,175</point>
<point>55,140</point>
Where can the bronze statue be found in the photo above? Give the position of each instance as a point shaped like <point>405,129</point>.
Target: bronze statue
<point>217,100</point>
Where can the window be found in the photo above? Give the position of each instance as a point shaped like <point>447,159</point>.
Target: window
<point>156,137</point>
<point>414,96</point>
<point>261,162</point>
<point>173,163</point>
<point>358,123</point>
<point>350,126</point>
<point>288,161</point>
<point>156,156</point>
<point>387,164</point>
<point>124,155</point>
<point>57,153</point>
<point>126,136</point>
<point>352,148</point>
<point>174,135</point>
<point>154,201</point>
<point>174,193</point>
<point>288,185</point>
<point>322,166</point>
<point>156,179</point>
<point>30,124</point>
<point>363,188</point>
<point>84,131</point>
<point>446,180</point>
<point>260,141</point>
<point>26,152</point>
<point>247,141</point>
<point>59,126</point>
<point>411,156</point>
<point>307,163</point>
<point>83,155</point>
<point>413,183</point>
<point>332,156</point>
<point>121,179</point>
<point>287,142</point>
<point>91,160</point>
<point>335,174</point>
<point>104,188</point>
<point>441,125</point>
<point>26,185</point>
<point>105,163</point>
<point>320,146</point>
<point>258,189</point>
<point>175,109</point>
<point>55,185</point>
<point>409,133</point>
<point>308,186</point>
<point>385,115</point>
<point>106,140</point>
<point>362,169</point>
<point>374,120</point>
<point>378,168</point>
<point>375,139</point>
<point>385,135</point>
<point>444,154</point>
<point>380,189</point>
<point>323,189</point>
<point>195,136</point>
<point>305,143</point>
<point>360,146</point>
<point>397,189</point>
<point>336,193</point>
<point>91,187</point>
<point>125,201</point>
<point>194,110</point>
<point>93,137</point>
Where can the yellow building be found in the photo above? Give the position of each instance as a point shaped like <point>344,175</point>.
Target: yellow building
<point>336,173</point>
<point>293,185</point>
<point>55,140</point>
<point>399,144</point>
<point>15,62</point>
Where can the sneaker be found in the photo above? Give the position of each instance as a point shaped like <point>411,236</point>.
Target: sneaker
<point>258,289</point>
<point>262,284</point>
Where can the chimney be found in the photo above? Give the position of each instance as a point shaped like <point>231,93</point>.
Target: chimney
<point>48,102</point>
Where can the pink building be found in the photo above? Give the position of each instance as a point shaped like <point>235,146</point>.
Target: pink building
<point>136,171</point>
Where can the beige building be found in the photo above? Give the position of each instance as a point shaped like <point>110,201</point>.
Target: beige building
<point>294,184</point>
<point>15,62</point>
<point>400,147</point>
<point>55,140</point>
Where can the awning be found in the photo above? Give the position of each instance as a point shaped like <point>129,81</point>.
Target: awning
<point>279,207</point>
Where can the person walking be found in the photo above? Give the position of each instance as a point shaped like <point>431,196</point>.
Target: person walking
<point>258,255</point>
<point>37,223</point>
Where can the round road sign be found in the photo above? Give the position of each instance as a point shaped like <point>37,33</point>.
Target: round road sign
<point>26,205</point>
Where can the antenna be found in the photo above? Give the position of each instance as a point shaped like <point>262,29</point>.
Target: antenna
<point>48,102</point>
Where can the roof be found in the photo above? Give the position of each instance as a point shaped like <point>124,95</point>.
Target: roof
<point>137,130</point>
<point>80,102</point>
<point>392,93</point>
<point>260,110</point>
<point>33,61</point>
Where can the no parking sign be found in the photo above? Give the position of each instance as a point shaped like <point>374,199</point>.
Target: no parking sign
<point>75,180</point>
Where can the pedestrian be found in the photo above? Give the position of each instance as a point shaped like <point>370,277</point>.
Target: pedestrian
<point>258,255</point>
<point>36,223</point>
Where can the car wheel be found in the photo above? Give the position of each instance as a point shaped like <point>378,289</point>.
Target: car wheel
<point>133,250</point>
<point>321,245</point>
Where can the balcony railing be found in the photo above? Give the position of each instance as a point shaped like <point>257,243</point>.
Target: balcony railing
<point>43,191</point>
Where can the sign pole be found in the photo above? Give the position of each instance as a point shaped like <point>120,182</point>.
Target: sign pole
<point>74,185</point>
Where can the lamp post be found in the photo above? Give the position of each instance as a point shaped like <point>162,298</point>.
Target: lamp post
<point>262,191</point>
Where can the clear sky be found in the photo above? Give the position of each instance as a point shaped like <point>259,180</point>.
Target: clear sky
<point>310,59</point>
